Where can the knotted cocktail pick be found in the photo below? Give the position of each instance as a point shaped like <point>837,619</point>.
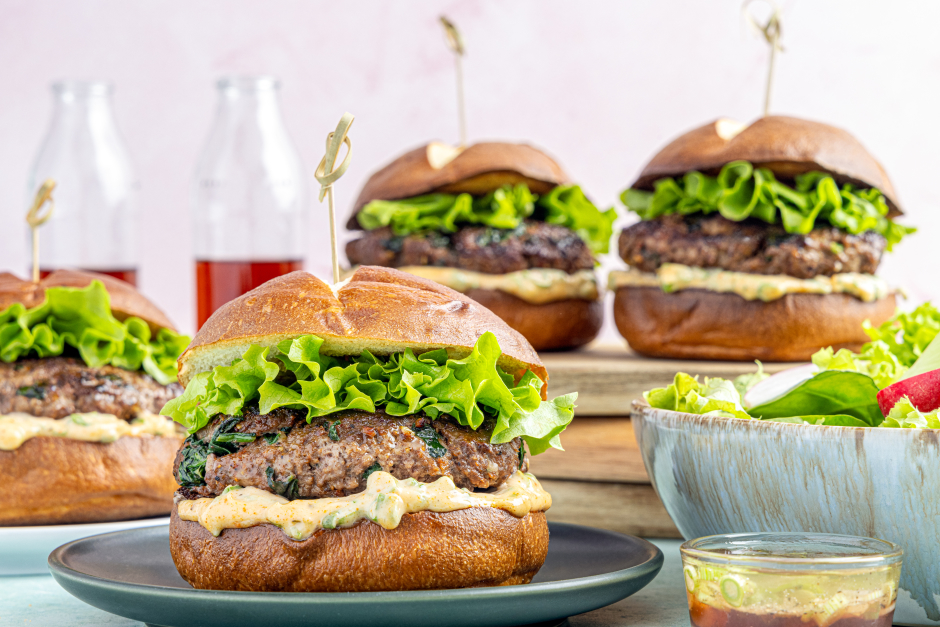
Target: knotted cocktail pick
<point>455,43</point>
<point>35,219</point>
<point>327,174</point>
<point>771,34</point>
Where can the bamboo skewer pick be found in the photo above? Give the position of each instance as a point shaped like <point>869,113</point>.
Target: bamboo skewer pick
<point>771,34</point>
<point>455,43</point>
<point>326,175</point>
<point>34,219</point>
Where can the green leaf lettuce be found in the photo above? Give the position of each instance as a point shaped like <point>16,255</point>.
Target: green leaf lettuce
<point>81,318</point>
<point>296,375</point>
<point>504,208</point>
<point>742,191</point>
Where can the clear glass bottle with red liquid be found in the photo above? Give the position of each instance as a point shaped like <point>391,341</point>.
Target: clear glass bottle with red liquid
<point>248,196</point>
<point>94,226</point>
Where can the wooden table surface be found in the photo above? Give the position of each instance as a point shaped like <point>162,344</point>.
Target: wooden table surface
<point>609,376</point>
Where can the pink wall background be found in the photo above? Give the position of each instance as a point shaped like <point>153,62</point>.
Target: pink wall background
<point>600,85</point>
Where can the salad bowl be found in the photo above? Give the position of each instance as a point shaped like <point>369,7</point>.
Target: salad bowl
<point>719,475</point>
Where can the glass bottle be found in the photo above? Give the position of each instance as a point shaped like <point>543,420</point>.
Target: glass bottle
<point>248,196</point>
<point>94,226</point>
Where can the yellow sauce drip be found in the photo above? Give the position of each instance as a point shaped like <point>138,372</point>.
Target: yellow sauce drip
<point>537,286</point>
<point>18,427</point>
<point>672,277</point>
<point>384,502</point>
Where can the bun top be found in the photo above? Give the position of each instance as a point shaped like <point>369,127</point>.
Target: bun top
<point>126,301</point>
<point>787,146</point>
<point>378,309</point>
<point>478,169</point>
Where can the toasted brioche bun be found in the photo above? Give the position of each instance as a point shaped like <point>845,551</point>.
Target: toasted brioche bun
<point>479,169</point>
<point>474,547</point>
<point>787,146</point>
<point>126,301</point>
<point>698,324</point>
<point>378,309</point>
<point>561,324</point>
<point>55,481</point>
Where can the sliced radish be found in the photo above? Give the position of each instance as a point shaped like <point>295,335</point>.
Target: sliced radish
<point>922,390</point>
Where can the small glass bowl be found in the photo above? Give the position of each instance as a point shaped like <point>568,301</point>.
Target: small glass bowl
<point>791,580</point>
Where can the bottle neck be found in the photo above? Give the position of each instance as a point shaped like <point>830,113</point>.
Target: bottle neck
<point>246,98</point>
<point>84,102</point>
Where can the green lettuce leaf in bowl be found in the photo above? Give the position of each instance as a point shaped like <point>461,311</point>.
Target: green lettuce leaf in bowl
<point>295,374</point>
<point>80,319</point>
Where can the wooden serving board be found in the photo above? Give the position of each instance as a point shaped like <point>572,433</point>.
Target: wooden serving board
<point>608,377</point>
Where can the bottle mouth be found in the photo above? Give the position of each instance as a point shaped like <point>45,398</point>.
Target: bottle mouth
<point>82,88</point>
<point>248,83</point>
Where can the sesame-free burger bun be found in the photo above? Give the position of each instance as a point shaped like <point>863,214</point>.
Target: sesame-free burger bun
<point>699,324</point>
<point>378,309</point>
<point>557,325</point>
<point>478,546</point>
<point>478,170</point>
<point>787,146</point>
<point>57,481</point>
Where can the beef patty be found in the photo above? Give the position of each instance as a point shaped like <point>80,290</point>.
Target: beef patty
<point>279,452</point>
<point>749,246</point>
<point>477,248</point>
<point>56,387</point>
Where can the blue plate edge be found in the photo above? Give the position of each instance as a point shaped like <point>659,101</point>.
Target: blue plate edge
<point>612,587</point>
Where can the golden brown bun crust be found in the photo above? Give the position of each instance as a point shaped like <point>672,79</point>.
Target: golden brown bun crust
<point>379,309</point>
<point>126,301</point>
<point>55,481</point>
<point>787,146</point>
<point>697,324</point>
<point>479,169</point>
<point>559,325</point>
<point>474,547</point>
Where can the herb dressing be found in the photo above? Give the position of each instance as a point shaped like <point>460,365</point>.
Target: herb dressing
<point>384,502</point>
<point>536,285</point>
<point>673,277</point>
<point>16,428</point>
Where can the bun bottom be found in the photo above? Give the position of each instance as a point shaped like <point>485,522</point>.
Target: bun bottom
<point>698,324</point>
<point>54,481</point>
<point>560,325</point>
<point>474,547</point>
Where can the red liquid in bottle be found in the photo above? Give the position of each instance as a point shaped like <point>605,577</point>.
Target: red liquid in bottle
<point>218,282</point>
<point>130,276</point>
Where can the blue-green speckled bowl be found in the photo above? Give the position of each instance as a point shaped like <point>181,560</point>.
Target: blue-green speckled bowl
<point>725,475</point>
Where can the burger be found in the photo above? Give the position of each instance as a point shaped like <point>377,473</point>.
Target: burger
<point>756,241</point>
<point>498,222</point>
<point>369,435</point>
<point>86,363</point>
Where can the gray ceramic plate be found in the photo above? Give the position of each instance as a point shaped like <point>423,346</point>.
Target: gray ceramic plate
<point>130,573</point>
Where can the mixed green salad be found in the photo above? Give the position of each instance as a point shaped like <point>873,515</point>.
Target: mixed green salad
<point>742,191</point>
<point>840,388</point>
<point>79,320</point>
<point>504,208</point>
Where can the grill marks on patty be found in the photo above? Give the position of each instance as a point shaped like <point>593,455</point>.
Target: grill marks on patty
<point>331,457</point>
<point>56,387</point>
<point>749,246</point>
<point>477,248</point>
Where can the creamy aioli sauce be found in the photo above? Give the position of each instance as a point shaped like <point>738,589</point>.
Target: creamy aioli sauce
<point>18,427</point>
<point>537,285</point>
<point>384,502</point>
<point>672,277</point>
